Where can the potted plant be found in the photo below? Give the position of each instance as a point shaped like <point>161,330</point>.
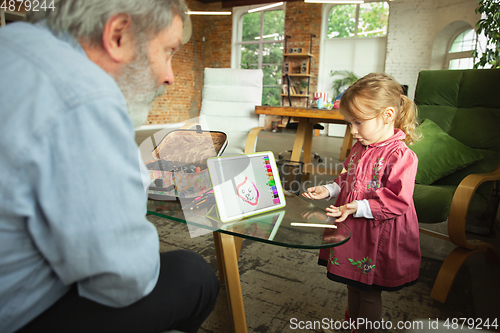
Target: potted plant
<point>340,84</point>
<point>489,24</point>
<point>301,87</point>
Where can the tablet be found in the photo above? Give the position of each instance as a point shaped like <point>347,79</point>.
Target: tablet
<point>245,185</point>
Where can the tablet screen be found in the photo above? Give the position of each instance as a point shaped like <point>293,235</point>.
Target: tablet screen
<point>245,185</point>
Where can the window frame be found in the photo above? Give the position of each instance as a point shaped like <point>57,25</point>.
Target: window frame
<point>329,8</point>
<point>238,14</point>
<point>459,55</point>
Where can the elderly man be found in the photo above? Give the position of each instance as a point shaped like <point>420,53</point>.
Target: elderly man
<point>76,251</point>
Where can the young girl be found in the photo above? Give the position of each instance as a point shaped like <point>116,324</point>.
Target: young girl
<point>374,198</point>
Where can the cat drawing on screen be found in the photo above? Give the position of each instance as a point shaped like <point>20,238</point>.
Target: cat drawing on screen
<point>248,192</point>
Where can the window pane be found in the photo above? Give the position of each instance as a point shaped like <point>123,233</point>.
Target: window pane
<point>466,41</point>
<point>462,63</point>
<point>271,96</point>
<point>274,25</point>
<point>272,75</point>
<point>373,19</point>
<point>272,53</point>
<point>249,56</point>
<point>342,21</point>
<point>271,44</point>
<point>251,27</point>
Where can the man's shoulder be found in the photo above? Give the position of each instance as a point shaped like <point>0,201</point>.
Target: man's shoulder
<point>35,54</point>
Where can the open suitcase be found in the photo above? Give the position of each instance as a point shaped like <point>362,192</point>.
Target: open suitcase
<point>179,168</point>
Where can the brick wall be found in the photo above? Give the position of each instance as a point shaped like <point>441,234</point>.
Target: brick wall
<point>302,20</point>
<point>210,46</point>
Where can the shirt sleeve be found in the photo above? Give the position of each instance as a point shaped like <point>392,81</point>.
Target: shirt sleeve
<point>398,183</point>
<point>92,205</point>
<point>334,190</point>
<point>364,209</point>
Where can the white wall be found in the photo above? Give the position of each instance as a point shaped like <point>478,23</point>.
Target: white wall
<point>361,56</point>
<point>414,26</point>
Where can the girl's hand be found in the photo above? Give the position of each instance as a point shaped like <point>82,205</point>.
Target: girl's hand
<point>314,213</point>
<point>316,193</point>
<point>342,212</point>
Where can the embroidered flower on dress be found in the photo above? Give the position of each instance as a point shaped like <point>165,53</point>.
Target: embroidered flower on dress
<point>377,167</point>
<point>364,265</point>
<point>333,259</point>
<point>350,166</point>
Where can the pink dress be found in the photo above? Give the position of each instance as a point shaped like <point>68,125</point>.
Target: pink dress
<point>383,252</point>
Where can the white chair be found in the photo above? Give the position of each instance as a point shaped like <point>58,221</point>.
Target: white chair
<point>228,104</point>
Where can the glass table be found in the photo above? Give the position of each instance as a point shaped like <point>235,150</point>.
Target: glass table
<point>273,228</point>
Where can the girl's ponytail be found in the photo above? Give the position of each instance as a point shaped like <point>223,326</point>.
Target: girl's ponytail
<point>407,119</point>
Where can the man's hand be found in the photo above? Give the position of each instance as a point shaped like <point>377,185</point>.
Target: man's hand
<point>316,193</point>
<point>342,212</point>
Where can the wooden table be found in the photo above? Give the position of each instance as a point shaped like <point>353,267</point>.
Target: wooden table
<point>307,117</point>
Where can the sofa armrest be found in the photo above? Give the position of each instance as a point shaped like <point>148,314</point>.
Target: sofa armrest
<point>252,140</point>
<point>460,205</point>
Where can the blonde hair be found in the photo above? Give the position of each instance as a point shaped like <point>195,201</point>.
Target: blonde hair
<point>371,95</point>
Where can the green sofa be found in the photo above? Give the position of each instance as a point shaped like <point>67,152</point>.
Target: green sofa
<point>459,158</point>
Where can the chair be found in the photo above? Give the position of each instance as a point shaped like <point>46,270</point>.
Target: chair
<point>459,160</point>
<point>228,104</point>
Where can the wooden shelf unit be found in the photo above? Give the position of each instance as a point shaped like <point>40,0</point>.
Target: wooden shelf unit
<point>292,76</point>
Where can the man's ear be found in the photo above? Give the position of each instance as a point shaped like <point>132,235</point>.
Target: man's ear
<point>117,38</point>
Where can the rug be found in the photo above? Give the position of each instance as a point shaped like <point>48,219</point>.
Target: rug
<point>284,290</point>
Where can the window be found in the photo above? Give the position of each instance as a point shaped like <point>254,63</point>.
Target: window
<point>260,45</point>
<point>365,20</point>
<point>459,55</point>
<point>460,52</point>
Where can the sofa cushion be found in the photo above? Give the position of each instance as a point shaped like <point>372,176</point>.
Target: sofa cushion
<point>479,88</point>
<point>490,161</point>
<point>433,203</point>
<point>438,88</point>
<point>477,128</point>
<point>441,115</point>
<point>439,154</point>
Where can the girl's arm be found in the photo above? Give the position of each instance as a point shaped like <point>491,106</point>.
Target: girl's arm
<point>328,192</point>
<point>398,183</point>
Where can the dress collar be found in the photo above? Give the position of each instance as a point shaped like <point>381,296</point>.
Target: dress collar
<point>398,135</point>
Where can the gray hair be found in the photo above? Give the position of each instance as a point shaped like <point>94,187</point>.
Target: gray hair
<point>85,19</point>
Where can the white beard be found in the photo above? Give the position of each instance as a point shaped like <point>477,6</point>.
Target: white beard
<point>138,84</point>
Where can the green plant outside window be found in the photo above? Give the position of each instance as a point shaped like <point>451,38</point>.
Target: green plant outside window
<point>262,47</point>
<point>366,20</point>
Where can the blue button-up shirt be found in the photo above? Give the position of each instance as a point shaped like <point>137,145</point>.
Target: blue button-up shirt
<point>72,203</point>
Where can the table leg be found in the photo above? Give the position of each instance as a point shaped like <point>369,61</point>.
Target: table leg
<point>219,254</point>
<point>233,286</point>
<point>308,137</point>
<point>220,258</point>
<point>300,136</point>
<point>346,144</point>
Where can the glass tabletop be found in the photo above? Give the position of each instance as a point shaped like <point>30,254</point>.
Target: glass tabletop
<point>274,227</point>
